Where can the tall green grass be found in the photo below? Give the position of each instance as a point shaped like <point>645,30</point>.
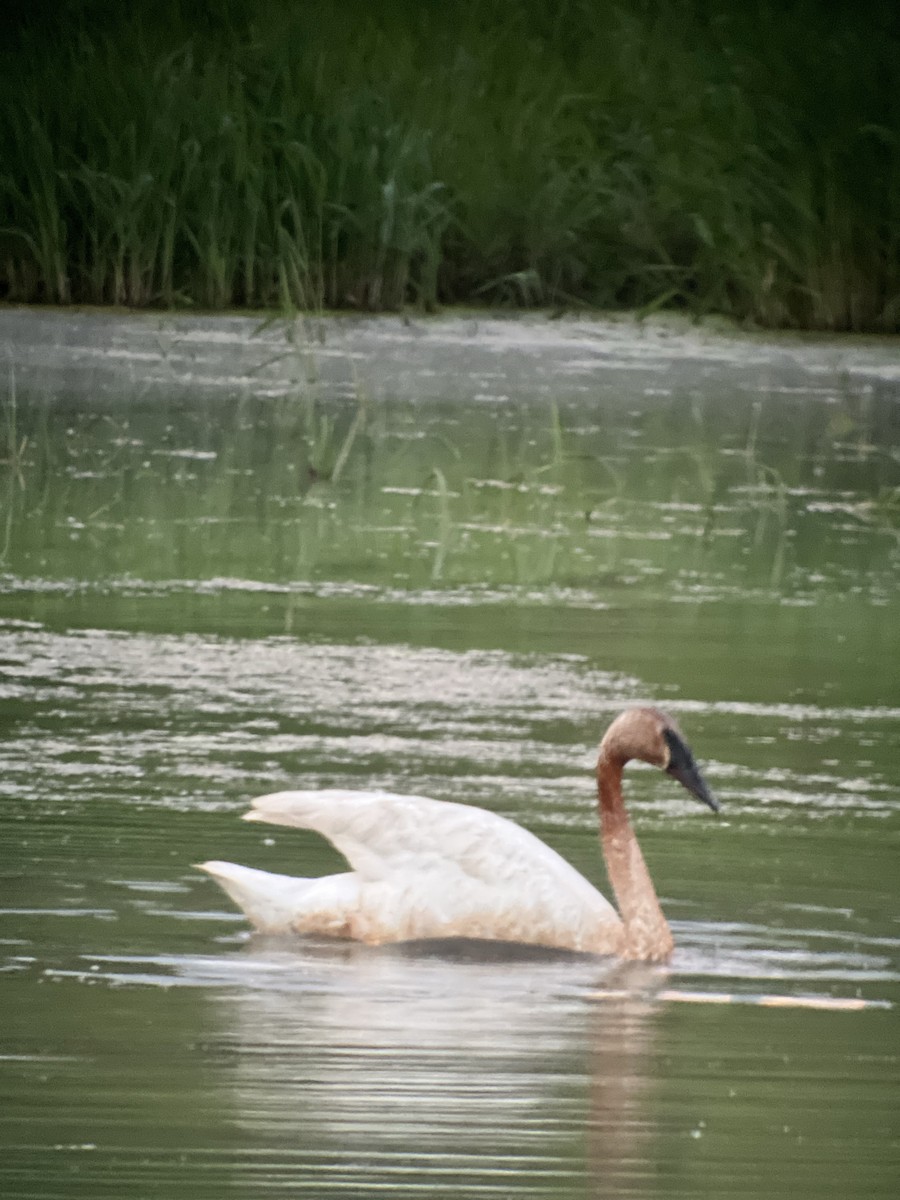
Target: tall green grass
<point>692,154</point>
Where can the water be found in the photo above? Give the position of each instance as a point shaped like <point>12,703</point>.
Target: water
<point>437,558</point>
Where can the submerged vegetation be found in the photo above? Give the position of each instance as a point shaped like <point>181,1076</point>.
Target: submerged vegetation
<point>736,159</point>
<point>302,484</point>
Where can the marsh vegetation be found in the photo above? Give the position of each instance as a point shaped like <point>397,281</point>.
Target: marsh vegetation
<point>736,159</point>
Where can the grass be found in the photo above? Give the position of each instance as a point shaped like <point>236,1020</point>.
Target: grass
<point>690,154</point>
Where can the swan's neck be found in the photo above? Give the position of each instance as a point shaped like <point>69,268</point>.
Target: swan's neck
<point>647,934</point>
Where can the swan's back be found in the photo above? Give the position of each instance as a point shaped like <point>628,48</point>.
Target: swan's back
<point>426,868</point>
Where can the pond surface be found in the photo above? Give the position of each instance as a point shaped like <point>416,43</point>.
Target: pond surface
<point>438,557</point>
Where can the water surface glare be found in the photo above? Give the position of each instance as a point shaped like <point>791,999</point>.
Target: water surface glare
<point>437,558</point>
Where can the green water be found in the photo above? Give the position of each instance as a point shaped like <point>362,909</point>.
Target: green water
<point>437,558</point>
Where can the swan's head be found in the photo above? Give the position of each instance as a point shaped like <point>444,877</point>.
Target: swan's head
<point>653,736</point>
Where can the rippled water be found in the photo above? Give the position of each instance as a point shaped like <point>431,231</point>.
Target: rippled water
<point>438,558</point>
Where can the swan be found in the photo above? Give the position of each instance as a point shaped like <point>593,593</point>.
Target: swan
<point>428,869</point>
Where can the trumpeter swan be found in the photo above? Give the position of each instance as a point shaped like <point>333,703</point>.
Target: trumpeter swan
<point>425,869</point>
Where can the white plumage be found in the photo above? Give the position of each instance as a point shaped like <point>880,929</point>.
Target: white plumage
<point>422,868</point>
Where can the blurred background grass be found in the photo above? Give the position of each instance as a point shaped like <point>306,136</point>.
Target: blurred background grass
<point>739,159</point>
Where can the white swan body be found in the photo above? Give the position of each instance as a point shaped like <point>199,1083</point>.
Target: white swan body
<point>422,868</point>
<point>426,869</point>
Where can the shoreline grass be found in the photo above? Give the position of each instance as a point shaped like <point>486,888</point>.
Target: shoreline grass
<point>300,157</point>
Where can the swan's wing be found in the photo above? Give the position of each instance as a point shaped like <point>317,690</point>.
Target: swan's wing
<point>391,838</point>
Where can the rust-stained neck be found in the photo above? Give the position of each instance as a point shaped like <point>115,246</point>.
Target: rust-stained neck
<point>647,934</point>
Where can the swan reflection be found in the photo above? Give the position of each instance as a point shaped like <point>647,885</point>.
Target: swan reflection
<point>442,1066</point>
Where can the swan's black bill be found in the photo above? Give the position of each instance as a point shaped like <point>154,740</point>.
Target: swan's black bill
<point>683,768</point>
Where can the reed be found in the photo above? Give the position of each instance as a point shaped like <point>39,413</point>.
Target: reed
<point>691,154</point>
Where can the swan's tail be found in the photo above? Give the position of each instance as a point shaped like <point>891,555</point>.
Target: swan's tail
<point>269,900</point>
<point>285,904</point>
